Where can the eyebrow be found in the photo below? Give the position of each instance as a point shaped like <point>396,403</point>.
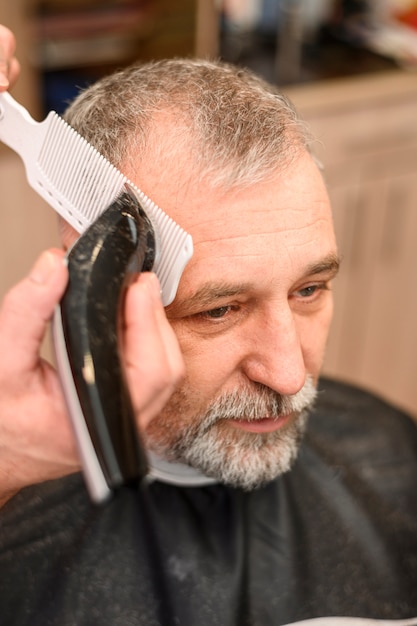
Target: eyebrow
<point>209,293</point>
<point>330,264</point>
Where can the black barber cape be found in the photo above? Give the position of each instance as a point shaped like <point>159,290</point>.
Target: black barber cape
<point>337,536</point>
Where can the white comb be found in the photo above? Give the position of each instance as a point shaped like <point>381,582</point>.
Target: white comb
<point>79,183</point>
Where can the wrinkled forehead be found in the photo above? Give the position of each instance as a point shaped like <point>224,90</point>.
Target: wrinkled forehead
<point>289,196</point>
<point>272,230</point>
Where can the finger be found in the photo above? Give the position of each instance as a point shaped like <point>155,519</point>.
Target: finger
<point>151,344</point>
<point>26,310</point>
<point>153,359</point>
<point>14,71</point>
<point>174,362</point>
<point>169,339</point>
<point>9,66</point>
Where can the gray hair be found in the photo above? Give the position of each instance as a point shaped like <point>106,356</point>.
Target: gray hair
<point>238,127</point>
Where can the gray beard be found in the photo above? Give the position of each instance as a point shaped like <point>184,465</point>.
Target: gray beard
<point>234,456</point>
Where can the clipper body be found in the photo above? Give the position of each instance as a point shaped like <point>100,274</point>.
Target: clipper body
<point>86,338</point>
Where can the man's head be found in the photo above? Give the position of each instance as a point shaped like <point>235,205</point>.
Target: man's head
<point>228,159</point>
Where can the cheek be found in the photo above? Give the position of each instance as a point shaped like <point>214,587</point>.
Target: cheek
<point>210,363</point>
<point>186,403</point>
<point>313,337</point>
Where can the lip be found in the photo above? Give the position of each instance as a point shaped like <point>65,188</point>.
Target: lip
<point>262,425</point>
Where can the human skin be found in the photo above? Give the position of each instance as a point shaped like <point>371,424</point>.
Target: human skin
<point>9,65</point>
<point>254,304</point>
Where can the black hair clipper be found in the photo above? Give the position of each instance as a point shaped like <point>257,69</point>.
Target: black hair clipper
<point>121,242</point>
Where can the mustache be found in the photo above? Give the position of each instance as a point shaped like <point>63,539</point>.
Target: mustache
<point>259,401</point>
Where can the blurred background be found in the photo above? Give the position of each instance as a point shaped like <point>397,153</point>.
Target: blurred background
<point>350,66</point>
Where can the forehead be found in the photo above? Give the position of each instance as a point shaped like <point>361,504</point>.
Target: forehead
<point>271,230</point>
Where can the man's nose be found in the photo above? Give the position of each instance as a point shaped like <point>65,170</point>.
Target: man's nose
<point>274,355</point>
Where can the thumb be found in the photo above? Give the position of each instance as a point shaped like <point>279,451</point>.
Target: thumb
<point>27,309</point>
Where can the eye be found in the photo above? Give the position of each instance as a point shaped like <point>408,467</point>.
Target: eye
<point>307,292</point>
<point>217,313</point>
<point>311,292</point>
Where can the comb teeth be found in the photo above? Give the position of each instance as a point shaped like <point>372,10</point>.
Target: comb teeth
<point>175,242</point>
<point>171,244</point>
<point>87,184</point>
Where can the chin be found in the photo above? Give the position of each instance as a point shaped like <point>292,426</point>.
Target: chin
<point>241,459</point>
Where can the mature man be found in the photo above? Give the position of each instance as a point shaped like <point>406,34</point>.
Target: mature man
<point>229,535</point>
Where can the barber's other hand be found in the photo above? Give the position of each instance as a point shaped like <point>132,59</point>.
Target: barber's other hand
<point>9,65</point>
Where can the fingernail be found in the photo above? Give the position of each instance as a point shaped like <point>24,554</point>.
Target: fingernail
<point>154,286</point>
<point>4,82</point>
<point>43,268</point>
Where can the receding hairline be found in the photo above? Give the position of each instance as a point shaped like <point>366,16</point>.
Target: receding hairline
<point>242,128</point>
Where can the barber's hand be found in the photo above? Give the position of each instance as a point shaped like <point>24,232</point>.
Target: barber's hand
<point>36,439</point>
<point>9,65</point>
